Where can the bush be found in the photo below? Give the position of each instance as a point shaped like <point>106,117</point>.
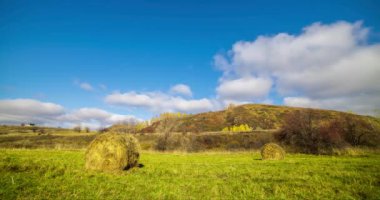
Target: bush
<point>41,131</point>
<point>112,152</point>
<point>173,141</point>
<point>358,132</point>
<point>77,129</point>
<point>86,129</point>
<point>237,128</point>
<point>162,142</point>
<point>211,141</point>
<point>102,130</point>
<point>272,151</point>
<point>306,133</point>
<point>300,131</point>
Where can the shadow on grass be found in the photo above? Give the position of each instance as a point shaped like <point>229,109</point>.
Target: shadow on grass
<point>140,165</point>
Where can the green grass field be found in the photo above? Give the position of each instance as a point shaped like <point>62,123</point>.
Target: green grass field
<point>60,174</point>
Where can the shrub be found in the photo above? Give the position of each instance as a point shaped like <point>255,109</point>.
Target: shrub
<point>77,129</point>
<point>87,129</point>
<point>299,131</point>
<point>102,130</point>
<point>41,131</point>
<point>360,132</point>
<point>272,151</point>
<point>238,128</point>
<point>34,129</point>
<point>211,141</point>
<point>112,152</point>
<point>306,133</point>
<point>162,142</point>
<point>172,141</point>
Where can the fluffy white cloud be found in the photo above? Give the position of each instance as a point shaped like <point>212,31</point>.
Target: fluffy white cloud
<point>321,64</point>
<point>244,89</point>
<point>16,111</point>
<point>181,89</point>
<point>94,118</point>
<point>160,102</point>
<point>28,110</point>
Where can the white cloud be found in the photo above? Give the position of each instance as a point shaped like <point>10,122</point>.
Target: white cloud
<point>301,102</point>
<point>28,110</point>
<point>363,104</point>
<point>16,111</point>
<point>181,89</point>
<point>322,64</point>
<point>244,89</point>
<point>95,117</point>
<point>86,86</point>
<point>160,102</point>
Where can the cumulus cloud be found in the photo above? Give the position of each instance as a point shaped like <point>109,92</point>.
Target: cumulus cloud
<point>325,63</point>
<point>95,117</point>
<point>244,89</point>
<point>16,111</point>
<point>181,89</point>
<point>364,104</point>
<point>160,102</point>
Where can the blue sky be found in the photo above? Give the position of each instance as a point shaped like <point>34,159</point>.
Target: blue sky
<point>131,55</point>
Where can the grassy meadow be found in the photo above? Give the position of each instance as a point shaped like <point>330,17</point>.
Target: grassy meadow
<point>60,174</point>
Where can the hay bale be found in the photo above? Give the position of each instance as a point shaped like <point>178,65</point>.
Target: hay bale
<point>272,151</point>
<point>112,152</point>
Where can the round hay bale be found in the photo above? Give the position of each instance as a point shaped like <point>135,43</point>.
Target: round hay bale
<point>272,151</point>
<point>112,152</point>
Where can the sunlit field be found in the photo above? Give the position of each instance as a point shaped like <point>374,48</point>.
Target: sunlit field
<point>60,174</point>
<point>162,100</point>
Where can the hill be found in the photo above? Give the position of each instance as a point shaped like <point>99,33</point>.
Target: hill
<point>256,116</point>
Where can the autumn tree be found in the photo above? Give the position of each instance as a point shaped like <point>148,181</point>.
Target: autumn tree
<point>77,129</point>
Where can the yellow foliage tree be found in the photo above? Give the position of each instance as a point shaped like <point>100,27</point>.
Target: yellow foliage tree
<point>237,128</point>
<point>225,129</point>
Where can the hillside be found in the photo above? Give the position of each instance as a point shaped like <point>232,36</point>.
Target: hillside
<point>257,116</point>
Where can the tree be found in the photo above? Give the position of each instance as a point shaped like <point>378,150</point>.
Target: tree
<point>86,129</point>
<point>237,128</point>
<point>77,129</point>
<point>299,131</point>
<point>225,129</point>
<point>34,129</point>
<point>358,132</point>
